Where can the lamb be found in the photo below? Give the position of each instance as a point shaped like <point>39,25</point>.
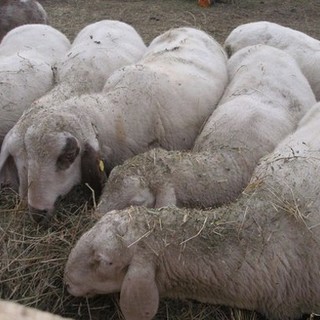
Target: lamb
<point>99,49</point>
<point>305,49</point>
<point>266,97</point>
<point>14,13</point>
<point>258,253</point>
<point>28,54</point>
<point>162,100</point>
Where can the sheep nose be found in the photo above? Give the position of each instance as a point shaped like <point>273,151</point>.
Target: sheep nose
<point>40,216</point>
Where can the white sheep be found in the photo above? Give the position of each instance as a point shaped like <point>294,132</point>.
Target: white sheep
<point>39,38</point>
<point>14,13</point>
<point>27,55</point>
<point>305,49</point>
<point>163,100</point>
<point>266,97</point>
<point>23,79</point>
<point>259,253</point>
<point>10,310</point>
<point>99,49</point>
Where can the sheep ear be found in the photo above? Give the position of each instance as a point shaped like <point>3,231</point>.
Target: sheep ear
<point>166,196</point>
<point>9,174</point>
<point>139,297</point>
<point>8,169</point>
<point>93,169</point>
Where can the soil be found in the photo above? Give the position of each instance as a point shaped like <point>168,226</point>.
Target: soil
<point>152,17</point>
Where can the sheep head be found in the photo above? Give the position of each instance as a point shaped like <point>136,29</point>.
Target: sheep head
<point>106,260</point>
<point>124,191</point>
<point>57,161</point>
<point>53,169</point>
<point>143,180</point>
<point>47,156</point>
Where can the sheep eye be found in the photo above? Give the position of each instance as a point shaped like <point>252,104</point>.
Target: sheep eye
<point>69,154</point>
<point>65,160</point>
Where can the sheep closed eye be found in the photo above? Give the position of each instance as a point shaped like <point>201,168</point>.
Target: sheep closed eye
<point>65,160</point>
<point>68,154</point>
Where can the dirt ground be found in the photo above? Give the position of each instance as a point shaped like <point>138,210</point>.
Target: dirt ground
<point>150,18</point>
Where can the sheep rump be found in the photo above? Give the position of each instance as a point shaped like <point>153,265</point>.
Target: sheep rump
<point>303,48</point>
<point>24,78</point>
<point>27,55</point>
<point>98,49</point>
<point>41,39</point>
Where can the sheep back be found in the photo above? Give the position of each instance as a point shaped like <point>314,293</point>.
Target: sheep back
<point>303,48</point>
<point>14,13</point>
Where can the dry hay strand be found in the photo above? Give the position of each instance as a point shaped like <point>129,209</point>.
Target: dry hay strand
<point>33,259</point>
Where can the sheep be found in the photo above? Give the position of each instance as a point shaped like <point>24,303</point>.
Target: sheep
<point>23,79</point>
<point>14,13</point>
<point>305,49</point>
<point>39,38</point>
<point>260,252</point>
<point>162,100</point>
<point>99,49</point>
<point>266,97</point>
<point>28,54</point>
<point>11,310</point>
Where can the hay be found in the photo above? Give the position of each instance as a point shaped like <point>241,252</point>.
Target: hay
<point>33,259</point>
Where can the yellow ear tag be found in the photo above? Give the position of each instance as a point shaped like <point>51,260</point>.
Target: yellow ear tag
<point>101,165</point>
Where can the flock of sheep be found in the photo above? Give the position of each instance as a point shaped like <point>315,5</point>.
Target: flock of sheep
<point>204,157</point>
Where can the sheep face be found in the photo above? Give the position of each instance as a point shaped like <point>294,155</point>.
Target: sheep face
<point>91,270</point>
<point>125,191</point>
<point>47,158</point>
<point>143,180</point>
<point>106,260</point>
<point>53,169</point>
<point>99,261</point>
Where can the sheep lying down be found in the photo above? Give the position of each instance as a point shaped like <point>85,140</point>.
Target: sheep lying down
<point>98,49</point>
<point>305,49</point>
<point>27,55</point>
<point>24,78</point>
<point>162,100</point>
<point>259,253</point>
<point>266,97</point>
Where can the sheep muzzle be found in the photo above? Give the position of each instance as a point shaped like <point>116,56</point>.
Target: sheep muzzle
<point>41,216</point>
